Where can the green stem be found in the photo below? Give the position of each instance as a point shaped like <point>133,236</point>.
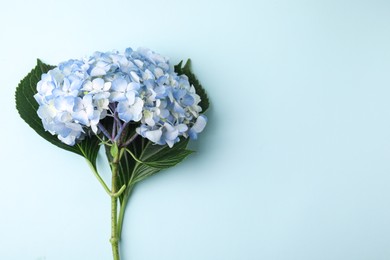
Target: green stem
<point>97,175</point>
<point>126,197</point>
<point>123,209</point>
<point>132,155</point>
<point>94,170</point>
<point>117,194</point>
<point>114,207</point>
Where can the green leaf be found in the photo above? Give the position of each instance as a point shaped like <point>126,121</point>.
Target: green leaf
<point>186,70</point>
<point>163,157</point>
<point>89,149</point>
<point>169,160</point>
<point>156,157</point>
<point>27,108</point>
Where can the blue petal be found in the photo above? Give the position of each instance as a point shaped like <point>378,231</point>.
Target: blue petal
<point>188,100</point>
<point>119,85</point>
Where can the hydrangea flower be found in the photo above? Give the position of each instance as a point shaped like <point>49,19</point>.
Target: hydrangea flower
<point>134,87</point>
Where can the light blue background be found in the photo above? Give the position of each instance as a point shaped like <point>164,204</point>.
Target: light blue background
<point>294,163</point>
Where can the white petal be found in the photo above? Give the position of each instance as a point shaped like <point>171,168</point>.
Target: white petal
<point>158,72</point>
<point>199,124</point>
<point>170,143</point>
<point>98,84</point>
<point>88,86</point>
<point>182,128</point>
<point>130,97</point>
<point>107,86</point>
<point>134,76</point>
<point>98,72</point>
<point>139,63</point>
<point>119,85</point>
<point>117,96</point>
<point>154,135</point>
<point>171,134</point>
<point>133,86</point>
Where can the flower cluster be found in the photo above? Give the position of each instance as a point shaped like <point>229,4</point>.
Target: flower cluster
<point>134,86</point>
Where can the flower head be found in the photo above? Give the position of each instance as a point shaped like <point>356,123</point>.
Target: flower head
<point>138,87</point>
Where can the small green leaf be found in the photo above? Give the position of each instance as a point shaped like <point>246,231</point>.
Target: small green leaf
<point>186,70</point>
<point>27,108</point>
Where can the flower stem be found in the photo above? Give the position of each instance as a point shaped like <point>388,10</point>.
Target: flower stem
<point>130,140</point>
<point>114,207</point>
<point>123,209</point>
<point>97,175</point>
<point>104,131</point>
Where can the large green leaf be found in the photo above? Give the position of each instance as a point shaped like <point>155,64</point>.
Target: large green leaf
<point>151,160</point>
<point>186,70</point>
<point>27,108</point>
<point>164,157</point>
<point>156,157</point>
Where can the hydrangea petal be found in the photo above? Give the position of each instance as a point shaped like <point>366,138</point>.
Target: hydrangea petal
<point>154,135</point>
